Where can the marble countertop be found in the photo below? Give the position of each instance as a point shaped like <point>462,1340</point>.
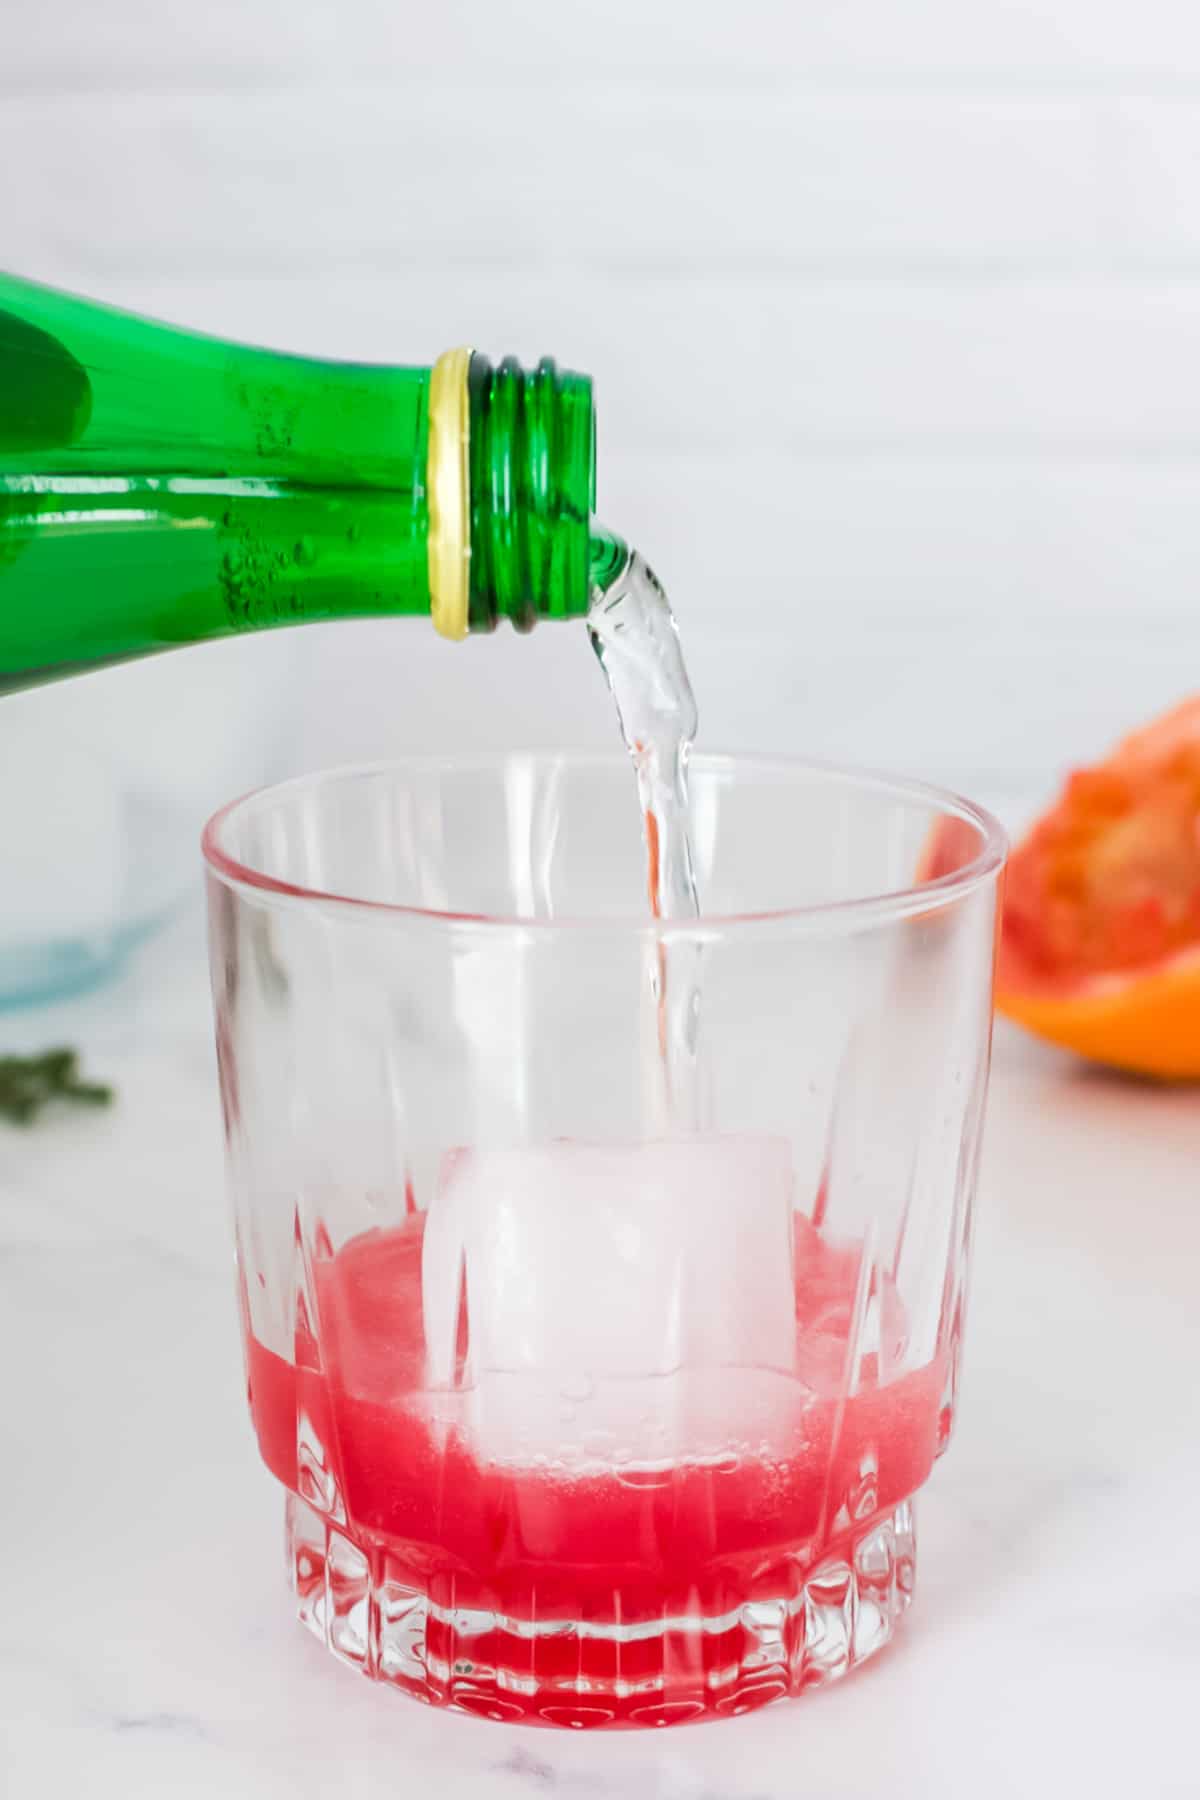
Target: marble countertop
<point>146,1640</point>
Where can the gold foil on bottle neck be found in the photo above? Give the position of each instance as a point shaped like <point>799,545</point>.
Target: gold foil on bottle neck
<point>448,491</point>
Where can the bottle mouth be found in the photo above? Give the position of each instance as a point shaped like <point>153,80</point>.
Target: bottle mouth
<point>511,485</point>
<point>532,492</point>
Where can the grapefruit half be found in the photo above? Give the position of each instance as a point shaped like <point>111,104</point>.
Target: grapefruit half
<point>1100,944</point>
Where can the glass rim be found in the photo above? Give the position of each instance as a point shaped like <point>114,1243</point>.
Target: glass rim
<point>892,904</point>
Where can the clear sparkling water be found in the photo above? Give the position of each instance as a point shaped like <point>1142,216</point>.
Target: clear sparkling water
<point>634,634</point>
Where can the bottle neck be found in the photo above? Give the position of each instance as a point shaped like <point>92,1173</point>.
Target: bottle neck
<point>511,486</point>
<point>158,487</point>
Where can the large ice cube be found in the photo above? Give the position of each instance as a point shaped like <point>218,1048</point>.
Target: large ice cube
<point>593,1276</point>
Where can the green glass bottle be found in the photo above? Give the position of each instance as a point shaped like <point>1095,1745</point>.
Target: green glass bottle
<point>159,488</point>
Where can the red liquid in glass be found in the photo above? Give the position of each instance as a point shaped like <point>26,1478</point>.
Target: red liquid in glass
<point>556,1541</point>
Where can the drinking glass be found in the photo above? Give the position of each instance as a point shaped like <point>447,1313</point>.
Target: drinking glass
<point>598,1401</point>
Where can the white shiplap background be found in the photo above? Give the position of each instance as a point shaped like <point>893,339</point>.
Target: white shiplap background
<point>893,310</point>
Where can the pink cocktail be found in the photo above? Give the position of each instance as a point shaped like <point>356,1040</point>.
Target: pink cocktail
<point>586,1418</point>
<point>693,1572</point>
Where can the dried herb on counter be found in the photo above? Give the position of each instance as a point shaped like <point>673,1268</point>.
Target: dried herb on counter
<point>29,1083</point>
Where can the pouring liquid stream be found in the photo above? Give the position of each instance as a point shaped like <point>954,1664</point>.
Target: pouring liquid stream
<point>636,640</point>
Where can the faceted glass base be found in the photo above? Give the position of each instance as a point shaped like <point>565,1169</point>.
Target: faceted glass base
<point>818,1622</point>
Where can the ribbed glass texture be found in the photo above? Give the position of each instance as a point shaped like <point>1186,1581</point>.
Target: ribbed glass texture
<point>585,1419</point>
